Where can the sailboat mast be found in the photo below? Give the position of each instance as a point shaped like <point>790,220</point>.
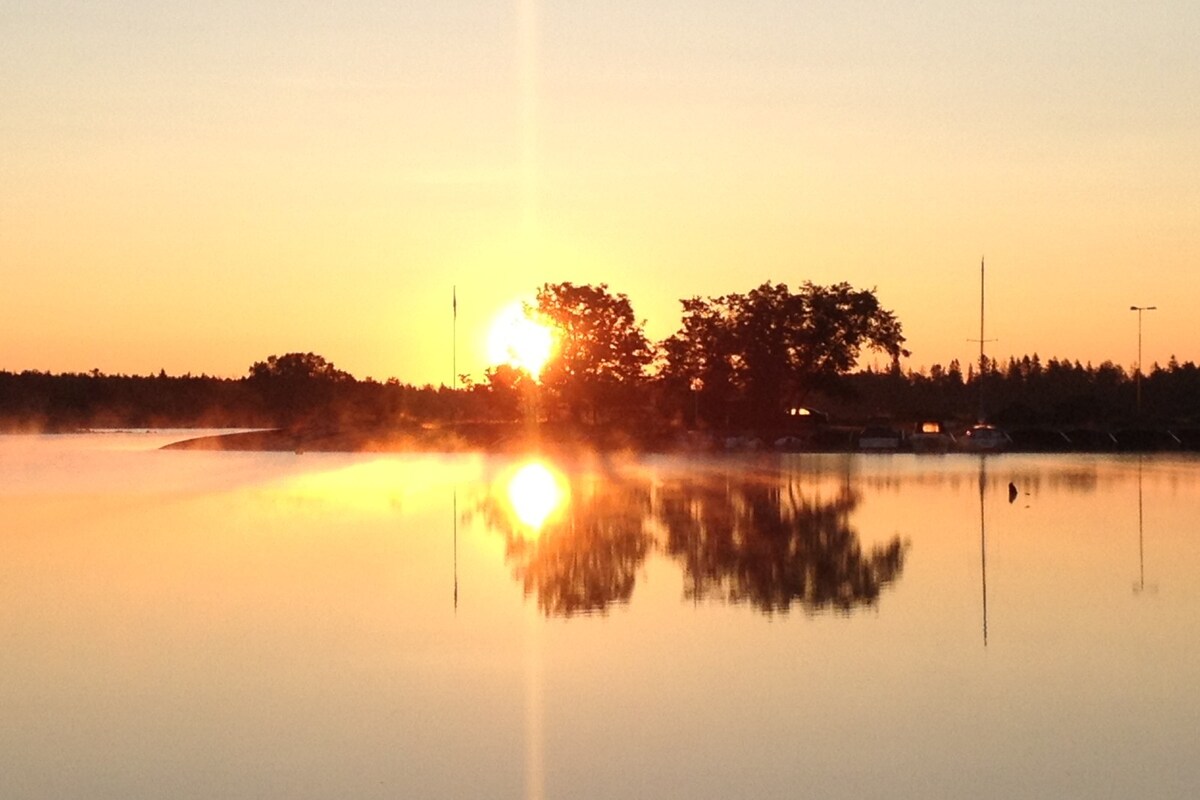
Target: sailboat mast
<point>982,357</point>
<point>982,363</point>
<point>454,338</point>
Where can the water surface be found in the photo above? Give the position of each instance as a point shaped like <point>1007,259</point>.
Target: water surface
<point>198,624</point>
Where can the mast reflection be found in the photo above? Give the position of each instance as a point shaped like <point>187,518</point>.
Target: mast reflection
<point>454,512</point>
<point>740,537</point>
<point>983,543</point>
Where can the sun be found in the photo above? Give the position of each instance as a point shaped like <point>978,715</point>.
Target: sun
<point>520,341</point>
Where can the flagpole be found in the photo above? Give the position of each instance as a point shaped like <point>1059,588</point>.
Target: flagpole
<point>454,340</point>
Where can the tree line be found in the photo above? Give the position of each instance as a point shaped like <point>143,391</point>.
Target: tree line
<point>738,362</point>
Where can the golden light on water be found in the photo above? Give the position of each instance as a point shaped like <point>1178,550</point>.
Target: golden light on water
<point>379,486</point>
<point>535,492</point>
<point>518,340</point>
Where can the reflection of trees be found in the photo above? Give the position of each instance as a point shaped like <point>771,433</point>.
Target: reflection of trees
<point>738,537</point>
<point>588,557</point>
<point>765,543</point>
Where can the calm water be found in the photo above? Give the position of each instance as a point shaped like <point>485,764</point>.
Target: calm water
<point>202,625</point>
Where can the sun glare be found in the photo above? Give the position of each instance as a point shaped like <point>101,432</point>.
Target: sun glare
<point>535,492</point>
<point>520,341</point>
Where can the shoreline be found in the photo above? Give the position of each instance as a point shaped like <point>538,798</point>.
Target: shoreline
<point>566,438</point>
<point>467,437</point>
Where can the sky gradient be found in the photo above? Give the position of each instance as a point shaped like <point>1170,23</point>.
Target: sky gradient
<point>196,187</point>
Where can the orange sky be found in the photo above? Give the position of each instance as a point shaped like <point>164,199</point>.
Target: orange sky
<point>197,187</point>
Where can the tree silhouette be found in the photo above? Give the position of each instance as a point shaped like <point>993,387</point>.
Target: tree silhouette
<point>509,390</point>
<point>770,347</point>
<point>297,366</point>
<point>601,353</point>
<point>300,388</point>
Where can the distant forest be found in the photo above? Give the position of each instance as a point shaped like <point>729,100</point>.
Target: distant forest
<point>739,363</point>
<point>1022,392</point>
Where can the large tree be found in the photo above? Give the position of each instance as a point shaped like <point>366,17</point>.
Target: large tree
<point>601,351</point>
<point>297,366</point>
<point>769,347</point>
<point>299,388</point>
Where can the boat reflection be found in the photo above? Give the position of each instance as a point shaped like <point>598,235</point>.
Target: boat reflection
<point>761,538</point>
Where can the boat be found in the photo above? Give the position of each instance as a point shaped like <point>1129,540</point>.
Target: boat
<point>931,436</point>
<point>984,439</point>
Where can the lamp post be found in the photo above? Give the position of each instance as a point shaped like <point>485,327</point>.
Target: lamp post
<point>1138,377</point>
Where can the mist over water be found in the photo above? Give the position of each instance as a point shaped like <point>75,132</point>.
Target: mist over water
<point>218,624</point>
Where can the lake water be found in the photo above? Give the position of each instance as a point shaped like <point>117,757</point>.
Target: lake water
<point>255,625</point>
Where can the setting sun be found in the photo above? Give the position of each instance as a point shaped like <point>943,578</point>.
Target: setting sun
<point>520,341</point>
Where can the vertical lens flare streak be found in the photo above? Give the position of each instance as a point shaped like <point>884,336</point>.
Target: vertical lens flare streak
<point>533,491</point>
<point>527,76</point>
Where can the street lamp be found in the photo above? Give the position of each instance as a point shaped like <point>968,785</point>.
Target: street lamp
<point>1138,377</point>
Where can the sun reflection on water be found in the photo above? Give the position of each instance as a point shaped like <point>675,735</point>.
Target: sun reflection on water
<point>535,493</point>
